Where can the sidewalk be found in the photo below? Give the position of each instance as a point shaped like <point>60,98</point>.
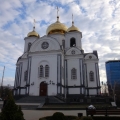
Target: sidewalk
<point>36,114</point>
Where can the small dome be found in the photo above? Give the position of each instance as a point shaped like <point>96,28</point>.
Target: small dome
<point>33,33</point>
<point>56,27</point>
<point>72,28</point>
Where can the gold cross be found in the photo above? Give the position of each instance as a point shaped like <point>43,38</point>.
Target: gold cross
<point>72,17</point>
<point>57,10</point>
<point>34,22</point>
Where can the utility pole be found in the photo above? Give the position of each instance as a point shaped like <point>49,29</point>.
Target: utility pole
<point>2,81</point>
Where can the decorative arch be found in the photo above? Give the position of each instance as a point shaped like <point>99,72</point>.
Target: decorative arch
<point>53,44</point>
<point>69,51</point>
<point>90,56</point>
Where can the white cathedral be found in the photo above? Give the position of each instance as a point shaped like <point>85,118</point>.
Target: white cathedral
<point>55,64</point>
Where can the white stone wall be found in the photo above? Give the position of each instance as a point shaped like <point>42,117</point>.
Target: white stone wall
<point>52,61</point>
<point>74,90</point>
<point>92,92</point>
<point>24,68</point>
<point>91,67</point>
<point>58,37</point>
<point>76,35</point>
<point>73,63</point>
<point>28,40</point>
<point>22,91</point>
<point>53,56</point>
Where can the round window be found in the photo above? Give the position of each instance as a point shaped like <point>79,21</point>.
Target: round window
<point>45,45</point>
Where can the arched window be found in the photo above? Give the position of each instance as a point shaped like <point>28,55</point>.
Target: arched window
<point>41,71</point>
<point>91,75</point>
<point>29,45</point>
<point>72,42</point>
<point>73,73</point>
<point>46,71</point>
<point>25,75</point>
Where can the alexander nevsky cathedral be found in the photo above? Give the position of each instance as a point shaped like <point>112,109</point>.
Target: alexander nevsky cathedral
<point>56,64</point>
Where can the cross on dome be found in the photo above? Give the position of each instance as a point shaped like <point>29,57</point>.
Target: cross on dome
<point>34,24</point>
<point>72,20</point>
<point>57,14</point>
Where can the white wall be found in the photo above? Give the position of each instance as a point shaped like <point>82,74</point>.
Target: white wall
<point>24,68</point>
<point>36,60</point>
<point>73,63</point>
<point>29,40</point>
<point>92,92</point>
<point>76,35</point>
<point>91,67</point>
<point>74,90</point>
<point>58,37</point>
<point>23,91</point>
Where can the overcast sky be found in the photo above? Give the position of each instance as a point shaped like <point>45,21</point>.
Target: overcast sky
<point>98,20</point>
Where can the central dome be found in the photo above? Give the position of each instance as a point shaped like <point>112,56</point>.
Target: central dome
<point>56,27</point>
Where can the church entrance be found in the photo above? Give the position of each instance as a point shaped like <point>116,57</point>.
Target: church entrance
<point>43,89</point>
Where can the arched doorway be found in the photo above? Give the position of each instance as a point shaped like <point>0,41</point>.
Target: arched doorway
<point>43,89</point>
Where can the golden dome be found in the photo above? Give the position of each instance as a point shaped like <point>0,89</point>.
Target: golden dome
<point>72,28</point>
<point>33,33</point>
<point>56,27</point>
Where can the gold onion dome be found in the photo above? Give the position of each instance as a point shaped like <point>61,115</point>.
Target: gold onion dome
<point>33,33</point>
<point>72,28</point>
<point>56,27</point>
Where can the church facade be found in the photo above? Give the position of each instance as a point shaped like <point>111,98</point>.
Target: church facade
<point>55,64</point>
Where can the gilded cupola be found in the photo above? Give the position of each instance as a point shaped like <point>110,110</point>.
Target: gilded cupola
<point>72,28</point>
<point>56,27</point>
<point>33,33</point>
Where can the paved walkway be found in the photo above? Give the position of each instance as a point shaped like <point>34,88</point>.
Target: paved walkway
<point>36,114</point>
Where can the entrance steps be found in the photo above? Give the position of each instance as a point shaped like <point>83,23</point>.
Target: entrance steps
<point>38,99</point>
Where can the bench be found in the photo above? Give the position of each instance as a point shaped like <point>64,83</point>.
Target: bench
<point>105,112</point>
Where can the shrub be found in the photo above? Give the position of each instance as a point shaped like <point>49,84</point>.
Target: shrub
<point>86,118</point>
<point>45,118</point>
<point>11,111</point>
<point>58,116</point>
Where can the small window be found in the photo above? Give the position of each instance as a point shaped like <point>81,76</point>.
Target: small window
<point>41,71</point>
<point>25,75</point>
<point>63,43</point>
<point>91,75</point>
<point>73,73</point>
<point>46,71</point>
<point>72,42</point>
<point>29,45</point>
